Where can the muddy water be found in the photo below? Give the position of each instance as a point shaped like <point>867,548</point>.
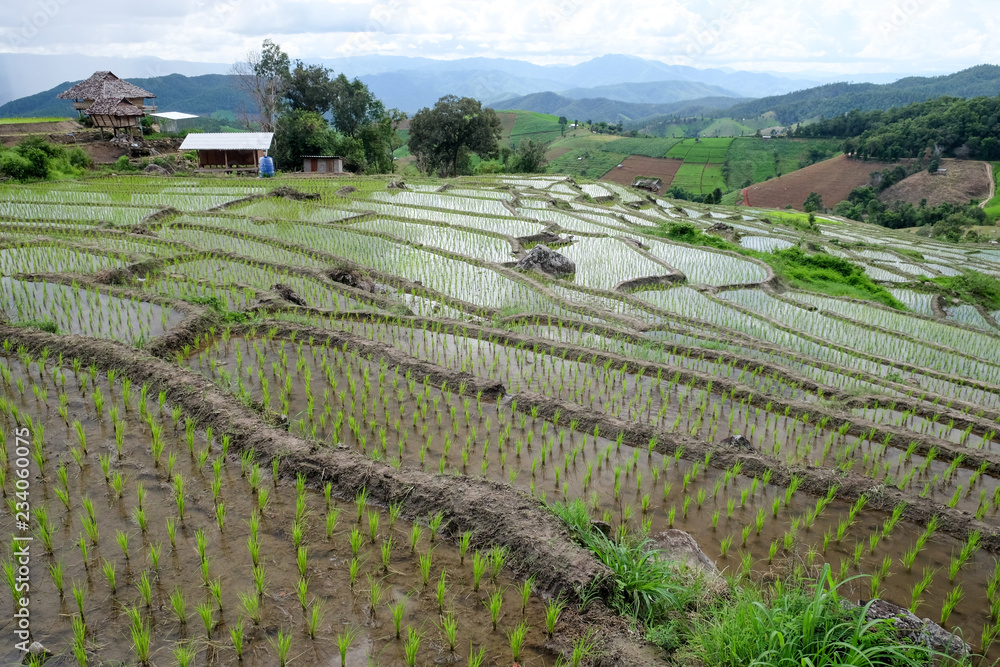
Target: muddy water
<point>557,462</point>
<point>228,555</point>
<point>685,409</point>
<point>86,312</point>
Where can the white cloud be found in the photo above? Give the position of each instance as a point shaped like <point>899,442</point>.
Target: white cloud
<point>845,36</point>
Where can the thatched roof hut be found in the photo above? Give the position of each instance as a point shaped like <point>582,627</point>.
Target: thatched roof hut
<point>103,85</point>
<point>111,113</point>
<point>109,101</point>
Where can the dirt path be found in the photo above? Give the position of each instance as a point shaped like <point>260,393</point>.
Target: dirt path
<point>993,186</point>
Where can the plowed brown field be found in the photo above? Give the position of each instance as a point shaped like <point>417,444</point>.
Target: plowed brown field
<point>833,179</point>
<point>637,165</point>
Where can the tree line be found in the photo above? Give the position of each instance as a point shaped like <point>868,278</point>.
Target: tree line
<point>945,126</point>
<point>312,111</point>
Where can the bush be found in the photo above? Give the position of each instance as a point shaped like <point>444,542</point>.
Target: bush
<point>801,625</point>
<point>642,586</point>
<point>123,164</point>
<point>975,287</point>
<point>35,159</point>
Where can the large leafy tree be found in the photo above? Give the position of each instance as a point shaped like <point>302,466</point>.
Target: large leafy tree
<point>441,137</point>
<point>354,106</point>
<point>300,132</point>
<point>310,88</point>
<point>263,76</point>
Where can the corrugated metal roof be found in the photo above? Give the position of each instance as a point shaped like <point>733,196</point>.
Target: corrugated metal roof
<point>327,157</point>
<point>228,141</point>
<point>174,115</point>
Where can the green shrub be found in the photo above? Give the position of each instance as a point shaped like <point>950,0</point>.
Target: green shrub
<point>800,625</point>
<point>642,587</point>
<point>975,287</point>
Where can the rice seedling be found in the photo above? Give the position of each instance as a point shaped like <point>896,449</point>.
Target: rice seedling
<point>411,646</point>
<point>396,611</point>
<point>204,610</point>
<point>425,567</point>
<point>516,639</point>
<point>479,565</point>
<point>375,594</point>
<point>526,588</point>
<point>303,592</point>
<point>316,615</point>
<point>463,545</point>
<point>344,641</point>
<point>178,605</point>
<point>552,611</point>
<point>108,568</point>
<point>282,645</point>
<point>251,605</point>
<point>495,604</point>
<point>184,653</point>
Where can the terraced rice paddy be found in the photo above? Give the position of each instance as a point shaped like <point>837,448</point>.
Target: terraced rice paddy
<point>326,429</point>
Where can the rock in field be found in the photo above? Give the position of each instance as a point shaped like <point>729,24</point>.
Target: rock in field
<point>740,442</point>
<point>679,547</point>
<point>288,294</point>
<point>922,632</point>
<point>541,258</point>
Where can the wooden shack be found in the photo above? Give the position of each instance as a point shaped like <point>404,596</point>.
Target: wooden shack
<point>110,102</point>
<point>323,164</point>
<point>228,150</point>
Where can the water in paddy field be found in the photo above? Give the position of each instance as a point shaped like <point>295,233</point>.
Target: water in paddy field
<point>77,310</point>
<point>187,454</point>
<point>381,412</point>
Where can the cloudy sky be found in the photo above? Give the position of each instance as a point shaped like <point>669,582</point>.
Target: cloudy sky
<point>838,36</point>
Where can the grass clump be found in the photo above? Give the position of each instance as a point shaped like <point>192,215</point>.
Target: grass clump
<point>685,232</point>
<point>800,621</point>
<point>974,287</point>
<point>48,326</point>
<point>643,587</point>
<point>220,307</point>
<point>818,272</point>
<point>827,274</point>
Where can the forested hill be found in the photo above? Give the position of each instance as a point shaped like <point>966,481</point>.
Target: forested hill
<point>839,98</point>
<point>944,126</point>
<point>174,92</point>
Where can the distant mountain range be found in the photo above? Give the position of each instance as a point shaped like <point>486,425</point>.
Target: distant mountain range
<point>412,83</point>
<point>201,95</point>
<point>839,98</point>
<point>612,111</point>
<point>611,88</point>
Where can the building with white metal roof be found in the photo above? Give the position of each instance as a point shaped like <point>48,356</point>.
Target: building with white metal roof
<point>224,150</point>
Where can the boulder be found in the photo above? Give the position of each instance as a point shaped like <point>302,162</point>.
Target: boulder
<point>346,190</point>
<point>603,527</point>
<point>288,294</point>
<point>677,546</point>
<point>155,170</point>
<point>924,632</point>
<point>740,442</point>
<point>396,184</point>
<point>352,279</point>
<point>541,258</point>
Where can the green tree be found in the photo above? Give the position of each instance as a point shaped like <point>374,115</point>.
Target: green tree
<point>562,125</point>
<point>310,88</point>
<point>263,76</point>
<point>354,106</point>
<point>299,132</point>
<point>529,158</point>
<point>443,137</point>
<point>814,202</point>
